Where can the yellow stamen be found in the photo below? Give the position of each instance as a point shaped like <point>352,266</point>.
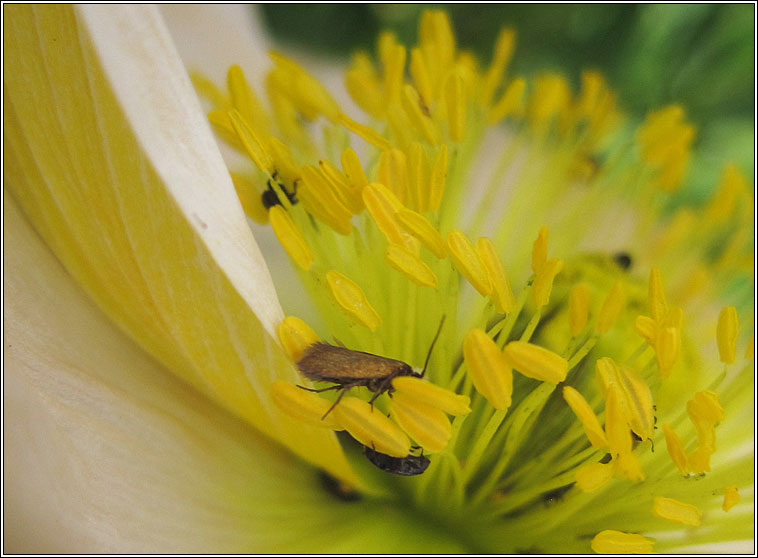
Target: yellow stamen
<point>722,204</point>
<point>657,295</point>
<point>536,362</point>
<point>616,542</point>
<point>586,416</point>
<point>455,100</point>
<point>305,91</point>
<point>426,425</point>
<point>467,262</point>
<point>362,83</point>
<point>351,166</point>
<point>252,143</point>
<point>222,125</point>
<point>612,307</point>
<point>393,173</point>
<point>667,345</point>
<point>705,405</point>
<point>418,176</point>
<point>511,103</point>
<point>593,476</point>
<point>502,295</point>
<point>249,198</point>
<point>420,74</point>
<point>579,308</point>
<point>394,68</point>
<point>636,399</point>
<point>411,104</point>
<point>435,33</point>
<point>290,238</point>
<point>303,405</point>
<point>616,426</point>
<point>731,497</point>
<point>295,336</point>
<point>539,250</point>
<point>323,202</point>
<point>543,283</point>
<point>286,168</point>
<point>726,334</point>
<point>417,225</point>
<point>366,133</point>
<point>439,175</point>
<point>410,265</point>
<point>431,394</point>
<point>208,90</point>
<point>674,317</point>
<point>490,372</point>
<point>628,466</point>
<point>675,448</point>
<point>645,326</point>
<point>676,511</point>
<point>383,205</point>
<point>371,428</point>
<point>244,100</point>
<point>350,196</point>
<point>501,56</point>
<point>353,300</point>
<point>550,98</point>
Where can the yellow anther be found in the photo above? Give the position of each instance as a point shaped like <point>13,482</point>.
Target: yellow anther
<point>417,225</point>
<point>371,428</point>
<point>436,34</point>
<point>706,407</point>
<point>411,103</point>
<point>286,168</point>
<point>353,170</point>
<point>628,466</point>
<point>579,308</point>
<point>421,77</point>
<point>254,147</point>
<point>250,198</point>
<point>207,89</point>
<point>427,426</point>
<point>586,416</point>
<point>350,196</point>
<point>321,200</point>
<point>536,362</point>
<point>501,295</point>
<point>511,102</point>
<point>437,183</point>
<point>362,83</point>
<point>612,307</point>
<point>676,511</point>
<point>303,405</point>
<point>383,205</point>
<point>593,476</point>
<point>455,100</point>
<point>636,399</point>
<point>433,395</point>
<point>616,426</point>
<point>673,318</point>
<point>295,336</point>
<point>410,265</point>
<point>726,334</point>
<point>501,56</point>
<point>676,450</point>
<point>393,173</point>
<point>244,100</point>
<point>592,87</point>
<point>617,542</point>
<point>668,342</point>
<point>353,300</point>
<point>550,98</point>
<point>467,262</point>
<point>305,91</point>
<point>222,125</point>
<point>418,176</point>
<point>489,370</point>
<point>700,460</point>
<point>543,282</point>
<point>657,295</point>
<point>394,69</point>
<point>290,238</point>
<point>645,326</point>
<point>722,204</point>
<point>731,497</point>
<point>539,250</point>
<point>288,119</point>
<point>365,133</point>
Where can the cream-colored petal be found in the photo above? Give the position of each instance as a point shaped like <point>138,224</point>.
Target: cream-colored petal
<point>105,451</point>
<point>110,157</point>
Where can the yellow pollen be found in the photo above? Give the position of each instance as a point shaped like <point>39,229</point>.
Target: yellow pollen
<point>295,336</point>
<point>645,326</point>
<point>352,299</point>
<point>511,103</point>
<point>536,362</point>
<point>657,295</point>
<point>382,205</point>
<point>586,416</point>
<point>455,99</point>
<point>244,100</point>
<point>467,262</point>
<point>579,308</point>
<point>371,428</point>
<point>617,542</point>
<point>594,476</point>
<point>290,238</point>
<point>503,51</point>
<point>726,334</point>
<point>433,395</point>
<point>426,425</point>
<point>249,198</point>
<point>393,173</point>
<point>410,265</point>
<point>667,345</point>
<point>731,497</point>
<point>676,511</point>
<point>543,282</point>
<point>411,104</point>
<point>489,371</point>
<point>252,143</point>
<point>612,307</point>
<point>366,133</point>
<point>676,450</point>
<point>439,175</point>
<point>417,225</point>
<point>501,295</point>
<point>303,405</point>
<point>539,251</point>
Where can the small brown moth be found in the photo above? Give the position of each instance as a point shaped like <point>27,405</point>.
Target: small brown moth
<point>347,369</point>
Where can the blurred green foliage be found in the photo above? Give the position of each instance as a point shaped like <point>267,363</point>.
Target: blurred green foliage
<point>698,55</point>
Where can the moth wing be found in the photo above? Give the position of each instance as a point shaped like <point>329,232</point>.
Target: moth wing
<point>327,363</point>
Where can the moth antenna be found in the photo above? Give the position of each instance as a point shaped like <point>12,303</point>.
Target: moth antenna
<point>429,354</point>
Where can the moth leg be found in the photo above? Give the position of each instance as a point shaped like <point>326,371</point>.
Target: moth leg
<point>336,386</point>
<point>345,388</point>
<point>386,385</point>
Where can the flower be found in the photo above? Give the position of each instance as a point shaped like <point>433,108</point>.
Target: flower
<point>135,203</point>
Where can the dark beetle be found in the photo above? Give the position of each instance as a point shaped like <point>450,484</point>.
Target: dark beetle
<point>347,369</point>
<point>409,466</point>
<point>269,198</point>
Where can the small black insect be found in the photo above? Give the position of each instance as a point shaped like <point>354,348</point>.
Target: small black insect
<point>623,260</point>
<point>347,369</point>
<point>269,198</point>
<point>409,466</point>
